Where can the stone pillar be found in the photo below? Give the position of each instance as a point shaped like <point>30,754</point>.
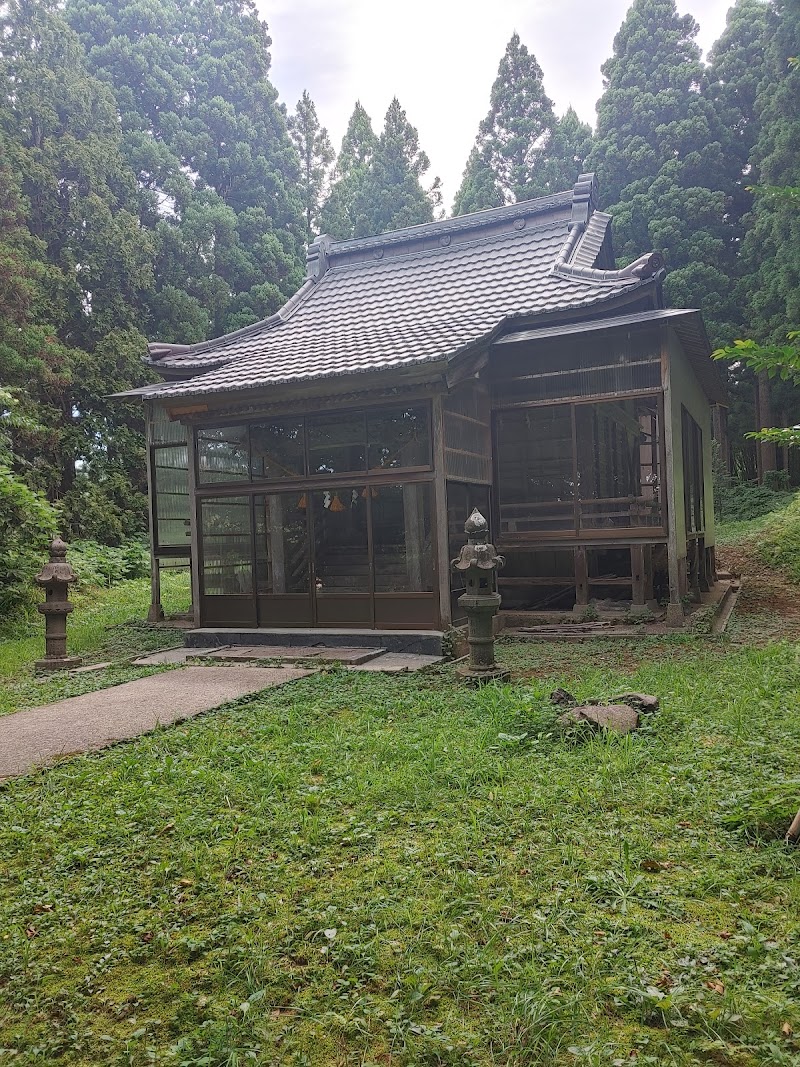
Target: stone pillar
<point>56,577</point>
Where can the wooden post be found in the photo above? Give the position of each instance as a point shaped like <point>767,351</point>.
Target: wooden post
<point>638,576</point>
<point>440,513</point>
<point>155,612</point>
<point>675,612</point>
<point>194,519</point>
<point>581,579</point>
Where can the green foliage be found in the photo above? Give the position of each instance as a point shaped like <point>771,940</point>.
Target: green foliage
<point>207,140</point>
<point>27,524</point>
<point>736,501</point>
<point>316,156</point>
<point>779,542</point>
<point>522,150</point>
<point>99,565</point>
<point>378,181</point>
<point>661,159</point>
<point>364,868</point>
<point>339,215</point>
<point>772,244</point>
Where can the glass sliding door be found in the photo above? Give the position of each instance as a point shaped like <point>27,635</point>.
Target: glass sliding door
<point>402,546</point>
<point>227,561</point>
<point>283,567</point>
<point>342,570</point>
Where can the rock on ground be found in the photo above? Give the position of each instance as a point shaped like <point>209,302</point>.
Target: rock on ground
<point>620,718</point>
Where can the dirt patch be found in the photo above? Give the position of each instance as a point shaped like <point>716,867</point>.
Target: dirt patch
<point>770,600</point>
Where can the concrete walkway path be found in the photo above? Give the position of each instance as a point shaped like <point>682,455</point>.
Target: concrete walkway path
<point>38,736</point>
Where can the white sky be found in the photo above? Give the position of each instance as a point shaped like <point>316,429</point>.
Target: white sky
<point>440,57</point>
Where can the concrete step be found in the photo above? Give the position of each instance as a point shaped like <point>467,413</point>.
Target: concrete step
<point>419,642</point>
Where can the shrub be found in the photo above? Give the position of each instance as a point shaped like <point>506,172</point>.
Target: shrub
<point>736,501</point>
<point>97,564</point>
<point>27,524</point>
<point>779,543</point>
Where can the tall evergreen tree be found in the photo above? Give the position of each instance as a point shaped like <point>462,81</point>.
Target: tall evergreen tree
<point>208,141</point>
<point>393,195</point>
<point>737,66</point>
<point>772,245</point>
<point>565,154</point>
<point>378,185</point>
<point>89,270</point>
<point>316,156</point>
<point>512,141</point>
<point>660,159</point>
<point>338,215</point>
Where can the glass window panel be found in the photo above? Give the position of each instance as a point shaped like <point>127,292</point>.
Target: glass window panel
<point>171,475</point>
<point>277,449</point>
<point>282,564</point>
<point>166,431</point>
<point>340,541</point>
<point>336,443</point>
<point>399,437</point>
<point>401,538</point>
<point>222,454</point>
<point>618,474</point>
<point>225,530</point>
<point>536,490</point>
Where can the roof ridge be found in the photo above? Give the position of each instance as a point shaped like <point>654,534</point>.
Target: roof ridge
<point>441,250</point>
<point>472,220</point>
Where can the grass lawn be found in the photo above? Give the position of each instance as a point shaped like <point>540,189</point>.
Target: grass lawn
<point>104,627</point>
<point>367,869</point>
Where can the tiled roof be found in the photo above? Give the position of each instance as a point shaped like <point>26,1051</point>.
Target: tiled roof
<point>410,297</point>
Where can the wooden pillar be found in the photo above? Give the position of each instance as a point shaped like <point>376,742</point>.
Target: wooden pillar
<point>675,612</point>
<point>194,520</point>
<point>638,576</point>
<point>155,612</point>
<point>440,514</point>
<point>581,579</point>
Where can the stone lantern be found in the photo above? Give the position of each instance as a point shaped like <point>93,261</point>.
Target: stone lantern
<point>56,577</point>
<point>479,563</point>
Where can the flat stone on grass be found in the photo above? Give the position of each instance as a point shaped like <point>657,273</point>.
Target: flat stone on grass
<point>620,718</point>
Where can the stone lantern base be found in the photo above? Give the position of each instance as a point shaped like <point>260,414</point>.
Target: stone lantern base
<point>58,663</point>
<point>476,677</point>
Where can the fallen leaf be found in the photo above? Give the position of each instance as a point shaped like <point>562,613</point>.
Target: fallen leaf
<point>715,987</point>
<point>31,932</point>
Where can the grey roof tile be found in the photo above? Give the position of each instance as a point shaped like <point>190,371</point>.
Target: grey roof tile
<point>424,300</point>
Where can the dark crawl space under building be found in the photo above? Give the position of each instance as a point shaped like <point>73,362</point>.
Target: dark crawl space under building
<point>316,468</point>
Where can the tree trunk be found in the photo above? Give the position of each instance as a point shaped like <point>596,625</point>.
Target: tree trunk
<point>767,452</point>
<point>720,434</point>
